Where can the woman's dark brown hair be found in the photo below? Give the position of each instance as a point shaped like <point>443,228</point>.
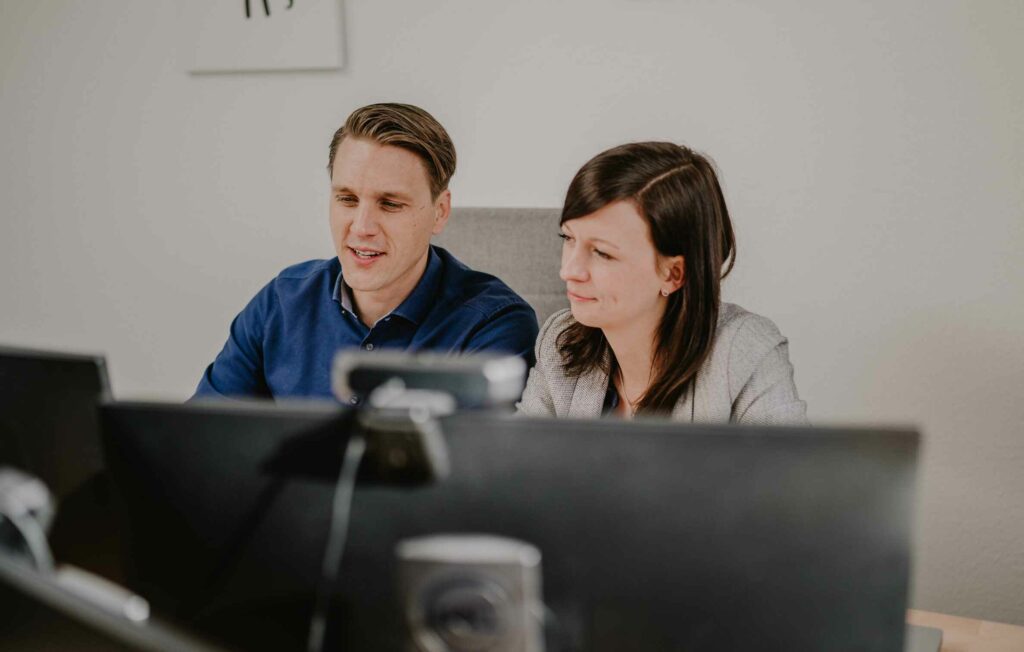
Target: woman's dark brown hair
<point>676,191</point>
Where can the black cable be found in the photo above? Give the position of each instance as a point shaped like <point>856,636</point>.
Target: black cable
<point>340,512</point>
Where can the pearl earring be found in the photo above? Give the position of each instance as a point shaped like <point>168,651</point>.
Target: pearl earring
<point>664,293</point>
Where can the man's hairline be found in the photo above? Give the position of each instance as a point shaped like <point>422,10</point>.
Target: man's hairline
<point>370,139</point>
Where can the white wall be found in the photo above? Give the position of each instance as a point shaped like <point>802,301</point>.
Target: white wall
<point>872,153</point>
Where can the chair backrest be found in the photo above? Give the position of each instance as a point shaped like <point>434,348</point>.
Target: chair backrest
<point>518,245</point>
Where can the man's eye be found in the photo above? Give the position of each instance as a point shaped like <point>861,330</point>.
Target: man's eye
<point>390,205</point>
<point>347,199</point>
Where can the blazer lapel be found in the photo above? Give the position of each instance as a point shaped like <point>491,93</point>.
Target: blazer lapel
<point>682,410</point>
<point>691,405</point>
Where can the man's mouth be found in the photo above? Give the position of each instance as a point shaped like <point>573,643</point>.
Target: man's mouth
<point>365,254</point>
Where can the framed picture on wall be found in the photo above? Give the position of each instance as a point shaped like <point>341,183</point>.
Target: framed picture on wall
<point>259,35</point>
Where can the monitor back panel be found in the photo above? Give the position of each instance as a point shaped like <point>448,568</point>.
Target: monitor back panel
<point>224,510</point>
<point>48,424</point>
<point>667,537</point>
<point>653,536</point>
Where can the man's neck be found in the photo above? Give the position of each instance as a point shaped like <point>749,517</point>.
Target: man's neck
<point>371,306</point>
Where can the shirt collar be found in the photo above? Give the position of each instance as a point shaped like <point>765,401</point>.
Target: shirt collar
<point>415,306</point>
<point>340,293</point>
<point>424,295</point>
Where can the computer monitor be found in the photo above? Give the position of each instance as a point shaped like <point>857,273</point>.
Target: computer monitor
<point>243,571</point>
<point>653,535</point>
<point>38,613</point>
<point>48,423</point>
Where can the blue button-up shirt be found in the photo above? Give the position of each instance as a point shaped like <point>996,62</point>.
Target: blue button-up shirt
<point>283,343</point>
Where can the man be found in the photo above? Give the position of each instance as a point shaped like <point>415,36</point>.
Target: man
<point>388,287</point>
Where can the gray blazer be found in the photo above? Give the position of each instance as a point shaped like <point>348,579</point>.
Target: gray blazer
<point>747,378</point>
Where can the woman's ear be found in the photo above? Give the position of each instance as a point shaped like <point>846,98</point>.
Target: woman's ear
<point>673,274</point>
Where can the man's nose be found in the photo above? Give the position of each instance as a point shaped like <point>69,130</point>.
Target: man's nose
<point>364,223</point>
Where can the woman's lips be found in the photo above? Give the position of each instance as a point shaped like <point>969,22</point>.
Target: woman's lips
<point>578,297</point>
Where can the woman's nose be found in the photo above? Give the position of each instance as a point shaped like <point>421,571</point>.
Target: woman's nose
<point>573,269</point>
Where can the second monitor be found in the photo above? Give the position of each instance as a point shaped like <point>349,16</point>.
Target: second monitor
<point>651,535</point>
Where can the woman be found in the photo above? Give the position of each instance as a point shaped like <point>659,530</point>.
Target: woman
<point>647,239</point>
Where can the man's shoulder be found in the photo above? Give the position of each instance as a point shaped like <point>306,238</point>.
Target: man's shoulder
<point>296,283</point>
<point>462,286</point>
<point>317,276</point>
<point>310,269</point>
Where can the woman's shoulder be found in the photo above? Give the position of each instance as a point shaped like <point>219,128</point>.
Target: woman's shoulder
<point>749,367</point>
<point>742,340</point>
<point>549,391</point>
<point>552,328</point>
<point>735,323</point>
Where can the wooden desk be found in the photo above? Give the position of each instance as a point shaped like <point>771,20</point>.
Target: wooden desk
<point>970,635</point>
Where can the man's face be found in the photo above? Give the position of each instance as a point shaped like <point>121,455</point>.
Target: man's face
<point>382,217</point>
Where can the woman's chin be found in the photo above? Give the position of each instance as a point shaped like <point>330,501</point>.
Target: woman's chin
<point>585,316</point>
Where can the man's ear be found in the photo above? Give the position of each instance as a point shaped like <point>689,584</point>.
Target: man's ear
<point>673,273</point>
<point>442,209</point>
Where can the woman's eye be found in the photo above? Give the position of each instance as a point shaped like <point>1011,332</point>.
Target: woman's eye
<point>602,254</point>
<point>565,237</point>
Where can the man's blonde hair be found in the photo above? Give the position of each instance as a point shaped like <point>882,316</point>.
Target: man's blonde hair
<point>408,127</point>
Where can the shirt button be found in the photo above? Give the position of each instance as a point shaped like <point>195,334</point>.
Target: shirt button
<point>354,400</point>
<point>369,347</point>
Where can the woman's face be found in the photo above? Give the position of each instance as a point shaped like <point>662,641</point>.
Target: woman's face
<point>613,274</point>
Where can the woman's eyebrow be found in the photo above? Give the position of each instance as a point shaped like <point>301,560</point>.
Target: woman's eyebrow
<point>604,242</point>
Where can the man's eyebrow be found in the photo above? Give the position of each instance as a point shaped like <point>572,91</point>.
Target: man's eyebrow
<point>390,194</point>
<point>387,194</point>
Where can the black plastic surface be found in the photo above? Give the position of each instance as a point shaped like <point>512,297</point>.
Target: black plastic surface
<point>654,536</point>
<point>48,421</point>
